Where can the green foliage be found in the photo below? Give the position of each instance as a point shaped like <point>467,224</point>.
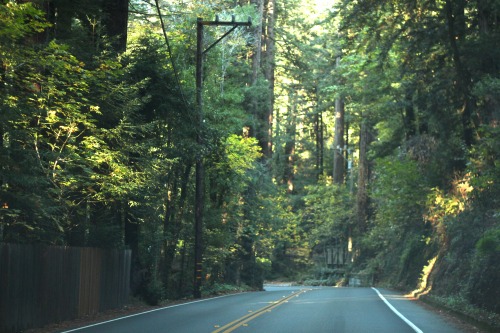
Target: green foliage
<point>433,188</point>
<point>323,276</point>
<point>397,245</point>
<point>20,19</point>
<point>489,244</point>
<point>223,289</point>
<point>240,155</point>
<point>154,292</point>
<point>56,119</point>
<point>467,225</point>
<point>328,213</point>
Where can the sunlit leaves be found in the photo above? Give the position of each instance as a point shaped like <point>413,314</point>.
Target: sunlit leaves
<point>20,19</point>
<point>241,153</point>
<point>56,108</point>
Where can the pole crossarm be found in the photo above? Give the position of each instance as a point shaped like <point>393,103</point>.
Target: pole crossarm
<point>232,23</point>
<point>218,40</point>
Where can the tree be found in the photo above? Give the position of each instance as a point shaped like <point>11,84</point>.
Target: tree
<point>338,141</point>
<point>405,64</point>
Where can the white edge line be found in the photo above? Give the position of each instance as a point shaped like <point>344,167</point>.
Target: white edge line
<point>141,313</point>
<point>415,328</point>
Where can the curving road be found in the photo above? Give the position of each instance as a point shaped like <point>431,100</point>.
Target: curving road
<point>286,309</point>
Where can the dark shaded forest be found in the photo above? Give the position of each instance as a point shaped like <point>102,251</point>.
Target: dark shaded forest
<point>365,129</point>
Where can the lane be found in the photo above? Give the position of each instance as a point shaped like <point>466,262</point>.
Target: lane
<point>331,310</point>
<point>290,310</point>
<point>353,310</point>
<point>426,320</point>
<point>243,321</point>
<point>198,316</point>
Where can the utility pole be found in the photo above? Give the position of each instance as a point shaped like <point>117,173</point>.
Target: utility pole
<point>199,198</point>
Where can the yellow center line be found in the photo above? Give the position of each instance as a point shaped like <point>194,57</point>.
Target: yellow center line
<point>246,318</point>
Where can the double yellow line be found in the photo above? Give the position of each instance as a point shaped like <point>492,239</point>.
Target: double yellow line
<point>251,316</point>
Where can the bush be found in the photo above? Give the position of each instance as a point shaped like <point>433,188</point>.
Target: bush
<point>222,289</point>
<point>153,292</point>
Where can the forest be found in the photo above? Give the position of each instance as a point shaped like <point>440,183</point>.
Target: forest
<point>365,129</point>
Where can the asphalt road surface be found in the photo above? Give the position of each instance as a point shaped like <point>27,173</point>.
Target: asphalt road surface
<point>287,310</point>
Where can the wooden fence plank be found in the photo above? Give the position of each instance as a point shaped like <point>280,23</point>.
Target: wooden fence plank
<point>41,285</point>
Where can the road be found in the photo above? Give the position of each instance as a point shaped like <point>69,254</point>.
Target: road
<point>286,309</point>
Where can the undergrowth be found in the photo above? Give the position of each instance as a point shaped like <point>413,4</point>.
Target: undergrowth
<point>223,288</point>
<point>463,308</point>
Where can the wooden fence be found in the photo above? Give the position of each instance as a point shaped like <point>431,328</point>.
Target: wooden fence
<point>40,284</point>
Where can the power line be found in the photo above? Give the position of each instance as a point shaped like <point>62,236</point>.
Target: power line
<point>174,68</point>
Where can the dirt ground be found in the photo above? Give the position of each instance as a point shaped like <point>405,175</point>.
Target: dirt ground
<point>134,307</point>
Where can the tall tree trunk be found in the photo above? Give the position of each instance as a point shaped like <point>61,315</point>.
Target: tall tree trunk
<point>263,63</point>
<point>348,162</point>
<point>169,227</point>
<point>321,141</point>
<point>269,65</point>
<point>255,127</point>
<point>172,223</point>
<point>456,32</point>
<point>116,21</point>
<point>338,141</point>
<point>182,280</point>
<point>488,18</point>
<point>288,174</point>
<point>318,133</point>
<point>409,115</point>
<point>363,177</point>
<point>132,242</point>
<point>278,139</point>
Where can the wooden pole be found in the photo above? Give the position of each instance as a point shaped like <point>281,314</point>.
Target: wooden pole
<point>199,202</point>
<point>200,170</point>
